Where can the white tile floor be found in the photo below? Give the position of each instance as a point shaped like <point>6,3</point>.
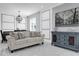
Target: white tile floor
<point>39,50</point>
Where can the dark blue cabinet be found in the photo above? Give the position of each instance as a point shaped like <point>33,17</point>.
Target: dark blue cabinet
<point>68,40</point>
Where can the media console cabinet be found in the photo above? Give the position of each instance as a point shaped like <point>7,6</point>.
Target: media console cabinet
<point>69,40</point>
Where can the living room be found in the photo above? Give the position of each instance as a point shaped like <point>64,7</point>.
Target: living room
<point>39,29</point>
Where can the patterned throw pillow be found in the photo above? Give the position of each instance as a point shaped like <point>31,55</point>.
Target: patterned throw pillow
<point>16,35</point>
<point>23,35</point>
<point>12,34</point>
<point>20,35</point>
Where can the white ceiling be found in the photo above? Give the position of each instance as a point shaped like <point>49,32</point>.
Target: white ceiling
<point>25,8</point>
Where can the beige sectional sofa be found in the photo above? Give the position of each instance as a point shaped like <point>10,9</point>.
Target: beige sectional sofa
<point>17,40</point>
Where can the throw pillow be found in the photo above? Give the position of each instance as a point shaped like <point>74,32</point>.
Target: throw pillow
<point>12,34</point>
<point>21,35</point>
<point>15,35</point>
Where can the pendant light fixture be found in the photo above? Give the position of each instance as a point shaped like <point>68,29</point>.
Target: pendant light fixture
<point>19,18</point>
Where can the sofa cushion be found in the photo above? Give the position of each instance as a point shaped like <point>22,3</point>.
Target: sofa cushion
<point>22,41</point>
<point>20,35</point>
<point>25,34</point>
<point>35,34</point>
<point>11,34</point>
<point>14,34</point>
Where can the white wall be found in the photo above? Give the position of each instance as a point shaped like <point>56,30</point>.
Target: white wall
<point>60,8</point>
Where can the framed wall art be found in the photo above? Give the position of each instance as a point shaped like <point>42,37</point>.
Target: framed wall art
<point>67,18</point>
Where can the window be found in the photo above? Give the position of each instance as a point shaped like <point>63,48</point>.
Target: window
<point>21,25</point>
<point>10,24</point>
<point>33,24</point>
<point>7,22</point>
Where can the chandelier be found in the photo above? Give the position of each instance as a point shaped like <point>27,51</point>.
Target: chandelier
<point>19,18</point>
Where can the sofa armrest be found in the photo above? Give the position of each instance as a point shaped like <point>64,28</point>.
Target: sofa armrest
<point>9,37</point>
<point>10,41</point>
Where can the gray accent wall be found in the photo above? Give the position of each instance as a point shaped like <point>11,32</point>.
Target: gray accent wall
<point>60,8</point>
